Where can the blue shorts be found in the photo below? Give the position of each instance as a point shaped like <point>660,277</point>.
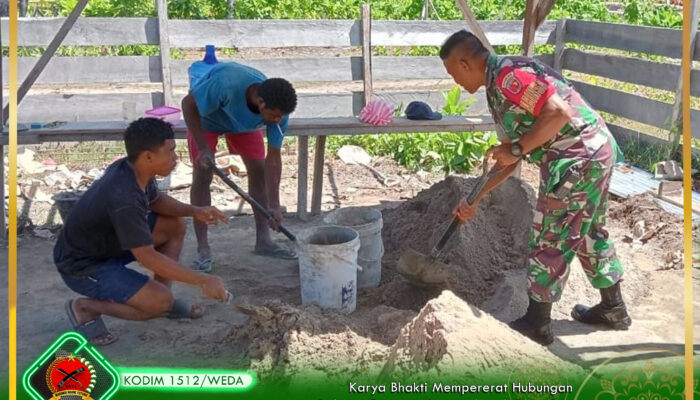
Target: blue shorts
<point>112,280</point>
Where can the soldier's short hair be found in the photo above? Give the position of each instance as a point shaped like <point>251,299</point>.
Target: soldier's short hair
<point>467,41</point>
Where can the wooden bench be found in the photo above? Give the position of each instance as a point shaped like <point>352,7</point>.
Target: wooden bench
<point>301,127</point>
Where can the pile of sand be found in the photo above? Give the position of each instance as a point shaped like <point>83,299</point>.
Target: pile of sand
<point>494,242</point>
<point>448,338</point>
<point>285,340</point>
<point>454,340</point>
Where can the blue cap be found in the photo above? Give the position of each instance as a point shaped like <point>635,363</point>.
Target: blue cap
<point>421,110</point>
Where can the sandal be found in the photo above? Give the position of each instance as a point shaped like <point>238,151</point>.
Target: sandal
<point>94,331</point>
<point>204,265</point>
<point>280,252</point>
<point>183,310</point>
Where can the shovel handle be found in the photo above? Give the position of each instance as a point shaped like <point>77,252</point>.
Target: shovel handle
<point>471,198</point>
<point>446,236</point>
<point>250,200</point>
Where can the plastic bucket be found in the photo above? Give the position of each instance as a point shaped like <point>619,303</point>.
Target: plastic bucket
<point>65,201</point>
<point>328,266</point>
<point>368,224</point>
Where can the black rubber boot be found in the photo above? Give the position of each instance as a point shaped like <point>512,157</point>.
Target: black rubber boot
<point>536,323</point>
<point>611,311</point>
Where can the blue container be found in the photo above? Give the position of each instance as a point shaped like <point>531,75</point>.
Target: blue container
<point>199,69</point>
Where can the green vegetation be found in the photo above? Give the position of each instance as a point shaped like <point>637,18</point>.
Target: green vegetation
<point>645,12</point>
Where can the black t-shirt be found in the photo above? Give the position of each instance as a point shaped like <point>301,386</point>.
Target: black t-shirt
<point>108,220</point>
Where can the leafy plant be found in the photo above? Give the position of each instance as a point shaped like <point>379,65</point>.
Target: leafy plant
<point>453,104</point>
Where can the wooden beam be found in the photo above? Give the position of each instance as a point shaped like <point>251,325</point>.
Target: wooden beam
<point>543,9</point>
<point>560,44</point>
<point>529,28</point>
<point>625,69</point>
<point>630,106</point>
<point>110,106</point>
<point>302,177</point>
<point>230,5</point>
<point>319,158</point>
<point>675,128</point>
<point>162,8</point>
<point>278,33</point>
<point>536,12</point>
<point>46,56</point>
<point>367,52</point>
<point>642,39</point>
<point>474,24</point>
<point>3,223</point>
<point>114,130</point>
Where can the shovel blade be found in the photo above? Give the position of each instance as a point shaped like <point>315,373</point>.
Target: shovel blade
<point>421,269</point>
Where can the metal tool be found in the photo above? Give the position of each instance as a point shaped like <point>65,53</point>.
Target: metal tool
<point>350,154</point>
<point>251,200</point>
<point>431,270</point>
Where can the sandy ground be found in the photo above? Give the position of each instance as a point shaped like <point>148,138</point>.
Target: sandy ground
<point>226,337</point>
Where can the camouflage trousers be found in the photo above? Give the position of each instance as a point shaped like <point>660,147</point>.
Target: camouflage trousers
<point>571,225</point>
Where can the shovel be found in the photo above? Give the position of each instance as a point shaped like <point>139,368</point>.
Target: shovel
<point>251,200</point>
<point>430,270</point>
<point>357,155</point>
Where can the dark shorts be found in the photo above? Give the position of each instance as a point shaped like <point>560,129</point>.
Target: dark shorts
<point>112,280</point>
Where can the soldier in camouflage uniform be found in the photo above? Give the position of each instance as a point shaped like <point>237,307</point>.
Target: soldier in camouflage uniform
<point>541,117</point>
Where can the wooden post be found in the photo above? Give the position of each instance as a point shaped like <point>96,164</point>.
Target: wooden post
<point>162,8</point>
<point>46,56</point>
<point>367,51</point>
<point>319,157</point>
<point>529,28</point>
<point>3,223</point>
<point>676,120</point>
<point>536,12</point>
<point>560,44</point>
<point>474,24</point>
<point>302,176</point>
<point>230,5</point>
<point>543,9</point>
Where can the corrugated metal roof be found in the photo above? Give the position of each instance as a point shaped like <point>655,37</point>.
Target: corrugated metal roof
<point>628,181</point>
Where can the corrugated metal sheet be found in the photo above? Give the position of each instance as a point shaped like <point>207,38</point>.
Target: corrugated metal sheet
<point>629,181</point>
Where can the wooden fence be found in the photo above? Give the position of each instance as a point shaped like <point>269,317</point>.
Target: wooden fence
<point>329,71</point>
<point>240,34</point>
<point>658,75</point>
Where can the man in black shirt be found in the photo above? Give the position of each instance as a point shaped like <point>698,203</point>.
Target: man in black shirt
<point>122,218</point>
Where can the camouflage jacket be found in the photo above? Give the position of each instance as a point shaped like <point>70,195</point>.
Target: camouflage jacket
<point>517,89</point>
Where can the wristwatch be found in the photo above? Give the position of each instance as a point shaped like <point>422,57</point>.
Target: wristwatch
<point>516,149</point>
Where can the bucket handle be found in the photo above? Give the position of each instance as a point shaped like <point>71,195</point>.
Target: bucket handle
<point>359,267</point>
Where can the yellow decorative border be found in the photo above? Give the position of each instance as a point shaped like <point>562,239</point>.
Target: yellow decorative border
<point>688,388</point>
<point>12,223</point>
<point>688,203</point>
<point>12,220</point>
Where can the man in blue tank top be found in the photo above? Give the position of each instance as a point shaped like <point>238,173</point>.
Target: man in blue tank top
<point>237,102</point>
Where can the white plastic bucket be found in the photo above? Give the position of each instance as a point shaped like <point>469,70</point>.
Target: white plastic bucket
<point>368,224</point>
<point>328,266</point>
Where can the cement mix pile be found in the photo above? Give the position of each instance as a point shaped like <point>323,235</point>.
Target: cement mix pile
<point>493,242</point>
